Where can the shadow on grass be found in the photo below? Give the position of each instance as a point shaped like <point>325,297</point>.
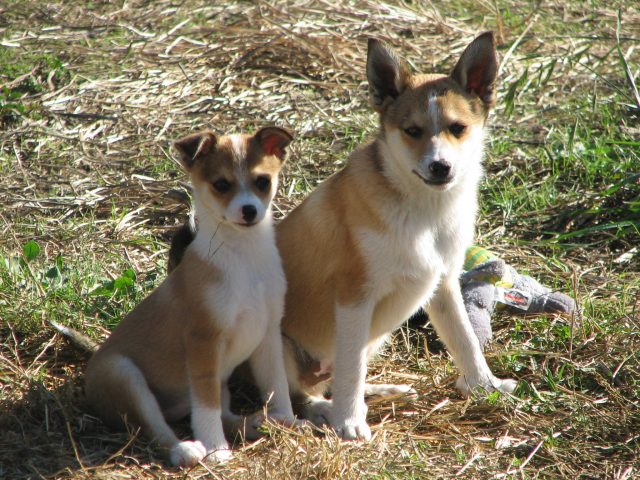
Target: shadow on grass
<point>45,431</point>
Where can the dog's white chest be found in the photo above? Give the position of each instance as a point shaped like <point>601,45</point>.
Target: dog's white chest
<point>403,253</point>
<point>252,299</point>
<point>405,263</point>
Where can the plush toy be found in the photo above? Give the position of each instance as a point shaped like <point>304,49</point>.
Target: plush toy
<point>489,283</point>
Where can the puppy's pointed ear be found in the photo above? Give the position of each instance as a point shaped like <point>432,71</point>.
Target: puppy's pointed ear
<point>477,68</point>
<point>193,146</point>
<point>274,141</point>
<point>387,74</point>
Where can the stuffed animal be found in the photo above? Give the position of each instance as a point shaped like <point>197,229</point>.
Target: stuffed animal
<point>489,283</point>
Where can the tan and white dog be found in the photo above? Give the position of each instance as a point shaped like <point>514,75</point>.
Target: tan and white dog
<point>172,355</point>
<point>387,235</point>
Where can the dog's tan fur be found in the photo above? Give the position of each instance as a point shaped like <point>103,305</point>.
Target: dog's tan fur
<point>176,298</point>
<point>386,235</point>
<point>373,243</point>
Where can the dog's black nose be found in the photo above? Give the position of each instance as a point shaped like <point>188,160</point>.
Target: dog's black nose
<point>249,213</point>
<point>439,169</point>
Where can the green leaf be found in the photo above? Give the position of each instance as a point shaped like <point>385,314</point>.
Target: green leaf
<point>122,283</point>
<point>30,250</point>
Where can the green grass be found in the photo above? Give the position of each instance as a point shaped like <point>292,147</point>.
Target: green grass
<point>23,76</point>
<point>89,103</point>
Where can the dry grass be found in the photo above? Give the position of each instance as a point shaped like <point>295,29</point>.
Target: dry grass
<point>86,172</point>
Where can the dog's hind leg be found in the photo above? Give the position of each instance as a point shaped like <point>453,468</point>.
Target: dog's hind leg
<point>118,388</point>
<point>388,391</point>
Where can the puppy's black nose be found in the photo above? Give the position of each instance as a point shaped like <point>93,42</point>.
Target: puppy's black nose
<point>439,169</point>
<point>249,213</point>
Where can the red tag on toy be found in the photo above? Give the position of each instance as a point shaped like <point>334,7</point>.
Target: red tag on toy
<point>513,298</point>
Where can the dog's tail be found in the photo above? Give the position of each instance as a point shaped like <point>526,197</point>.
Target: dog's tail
<point>77,339</point>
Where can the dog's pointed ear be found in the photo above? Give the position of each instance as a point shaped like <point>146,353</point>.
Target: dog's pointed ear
<point>387,74</point>
<point>193,146</point>
<point>274,141</point>
<point>477,69</point>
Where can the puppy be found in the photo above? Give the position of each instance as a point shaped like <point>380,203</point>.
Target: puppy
<point>387,235</point>
<point>222,305</point>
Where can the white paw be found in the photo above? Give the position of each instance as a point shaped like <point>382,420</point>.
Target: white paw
<point>507,385</point>
<point>467,385</point>
<point>353,430</point>
<point>318,411</point>
<point>386,391</point>
<point>218,455</point>
<point>187,454</point>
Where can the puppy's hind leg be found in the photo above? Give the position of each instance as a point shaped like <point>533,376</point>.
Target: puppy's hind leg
<point>136,401</point>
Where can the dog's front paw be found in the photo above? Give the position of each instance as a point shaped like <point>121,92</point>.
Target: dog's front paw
<point>466,385</point>
<point>353,430</point>
<point>507,385</point>
<point>187,454</point>
<point>218,455</point>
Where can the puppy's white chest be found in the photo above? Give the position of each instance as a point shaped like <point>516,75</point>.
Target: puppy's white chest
<point>252,300</point>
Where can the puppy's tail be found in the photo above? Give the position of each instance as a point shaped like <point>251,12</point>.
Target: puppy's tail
<point>77,339</point>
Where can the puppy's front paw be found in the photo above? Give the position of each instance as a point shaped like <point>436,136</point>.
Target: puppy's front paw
<point>466,385</point>
<point>356,430</point>
<point>219,455</point>
<point>187,454</point>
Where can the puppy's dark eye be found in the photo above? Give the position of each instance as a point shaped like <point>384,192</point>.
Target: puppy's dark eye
<point>263,183</point>
<point>457,129</point>
<point>222,185</point>
<point>414,132</point>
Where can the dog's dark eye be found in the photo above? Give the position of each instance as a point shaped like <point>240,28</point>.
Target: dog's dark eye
<point>457,129</point>
<point>263,183</point>
<point>222,185</point>
<point>415,132</point>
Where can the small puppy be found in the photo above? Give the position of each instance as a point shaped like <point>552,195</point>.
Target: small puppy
<point>387,235</point>
<point>172,355</point>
